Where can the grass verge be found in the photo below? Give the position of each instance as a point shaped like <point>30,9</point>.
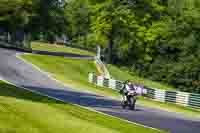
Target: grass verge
<point>74,73</point>
<point>120,74</point>
<point>59,48</point>
<point>24,112</point>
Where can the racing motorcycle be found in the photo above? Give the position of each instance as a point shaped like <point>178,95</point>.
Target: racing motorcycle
<point>129,99</point>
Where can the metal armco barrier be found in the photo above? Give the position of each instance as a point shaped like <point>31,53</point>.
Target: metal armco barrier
<point>176,97</point>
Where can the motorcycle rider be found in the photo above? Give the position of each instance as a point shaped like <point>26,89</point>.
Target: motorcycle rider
<point>126,98</point>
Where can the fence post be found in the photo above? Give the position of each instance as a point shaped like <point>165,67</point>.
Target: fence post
<point>90,77</point>
<point>100,81</point>
<point>94,79</point>
<point>112,84</point>
<point>171,96</point>
<point>150,93</point>
<point>194,100</point>
<point>182,98</point>
<point>160,95</point>
<point>106,82</point>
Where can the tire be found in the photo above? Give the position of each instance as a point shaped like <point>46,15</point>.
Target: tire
<point>124,104</point>
<point>132,102</point>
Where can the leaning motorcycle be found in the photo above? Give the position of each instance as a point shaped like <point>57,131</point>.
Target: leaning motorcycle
<point>129,99</point>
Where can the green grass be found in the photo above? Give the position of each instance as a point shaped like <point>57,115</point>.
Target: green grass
<point>58,48</point>
<point>74,73</point>
<point>24,112</point>
<point>120,74</point>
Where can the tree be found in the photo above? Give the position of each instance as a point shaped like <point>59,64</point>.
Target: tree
<point>111,20</point>
<point>49,18</point>
<point>15,14</point>
<point>77,14</point>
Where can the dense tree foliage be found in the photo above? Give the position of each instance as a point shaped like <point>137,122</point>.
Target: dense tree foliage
<point>32,16</point>
<point>156,39</point>
<point>15,14</point>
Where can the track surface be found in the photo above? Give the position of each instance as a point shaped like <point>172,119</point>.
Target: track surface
<point>17,72</point>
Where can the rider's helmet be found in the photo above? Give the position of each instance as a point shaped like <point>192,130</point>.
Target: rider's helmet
<point>127,82</point>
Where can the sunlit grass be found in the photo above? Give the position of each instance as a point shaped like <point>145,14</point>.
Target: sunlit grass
<point>120,74</point>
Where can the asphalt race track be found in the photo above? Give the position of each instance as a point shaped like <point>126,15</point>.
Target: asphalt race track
<point>18,72</point>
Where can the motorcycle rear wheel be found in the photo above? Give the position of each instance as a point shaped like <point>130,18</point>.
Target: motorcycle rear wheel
<point>132,103</point>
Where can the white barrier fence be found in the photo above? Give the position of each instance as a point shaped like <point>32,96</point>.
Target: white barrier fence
<point>176,97</point>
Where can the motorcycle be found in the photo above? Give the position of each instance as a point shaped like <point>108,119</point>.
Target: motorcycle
<point>129,99</point>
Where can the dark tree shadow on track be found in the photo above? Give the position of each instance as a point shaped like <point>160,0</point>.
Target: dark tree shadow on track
<point>62,54</point>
